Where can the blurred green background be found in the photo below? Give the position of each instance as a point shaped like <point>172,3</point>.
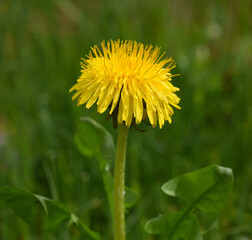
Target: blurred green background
<point>41,43</point>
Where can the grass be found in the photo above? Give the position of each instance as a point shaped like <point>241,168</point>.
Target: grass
<point>41,43</point>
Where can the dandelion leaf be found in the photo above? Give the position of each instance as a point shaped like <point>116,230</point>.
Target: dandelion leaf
<point>25,204</point>
<point>94,141</point>
<point>204,192</point>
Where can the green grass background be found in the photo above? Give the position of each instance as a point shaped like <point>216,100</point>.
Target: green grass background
<point>41,43</point>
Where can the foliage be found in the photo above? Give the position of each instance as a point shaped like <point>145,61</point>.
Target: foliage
<point>23,203</point>
<point>93,140</point>
<point>41,43</point>
<point>205,193</point>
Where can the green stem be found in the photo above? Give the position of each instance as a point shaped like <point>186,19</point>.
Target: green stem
<point>119,173</point>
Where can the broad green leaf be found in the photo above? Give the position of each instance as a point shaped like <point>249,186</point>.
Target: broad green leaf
<point>205,193</point>
<point>20,201</point>
<point>57,213</point>
<point>24,204</point>
<point>189,229</point>
<point>93,140</point>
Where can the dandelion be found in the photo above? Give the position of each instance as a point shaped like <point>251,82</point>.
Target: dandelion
<point>133,82</point>
<point>129,79</point>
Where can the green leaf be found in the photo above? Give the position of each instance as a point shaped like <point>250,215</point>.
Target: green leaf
<point>131,197</point>
<point>58,213</point>
<point>20,201</point>
<point>205,193</point>
<point>189,228</point>
<point>24,203</point>
<point>93,140</point>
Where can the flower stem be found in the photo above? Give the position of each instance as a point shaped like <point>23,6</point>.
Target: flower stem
<point>119,173</point>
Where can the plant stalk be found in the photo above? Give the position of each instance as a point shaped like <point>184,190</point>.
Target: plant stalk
<point>119,176</point>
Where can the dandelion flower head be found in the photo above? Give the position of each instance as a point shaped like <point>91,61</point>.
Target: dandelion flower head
<point>129,79</point>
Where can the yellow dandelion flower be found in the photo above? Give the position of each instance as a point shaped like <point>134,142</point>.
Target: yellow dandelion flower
<point>129,79</point>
